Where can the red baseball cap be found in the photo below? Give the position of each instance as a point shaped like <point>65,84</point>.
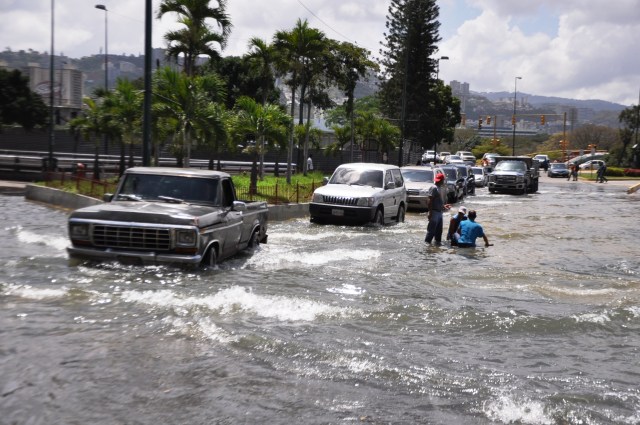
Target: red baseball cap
<point>439,177</point>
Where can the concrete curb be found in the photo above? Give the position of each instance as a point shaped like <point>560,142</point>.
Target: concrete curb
<point>72,201</point>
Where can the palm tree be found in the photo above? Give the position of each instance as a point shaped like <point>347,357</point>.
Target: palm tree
<point>196,38</point>
<point>297,50</point>
<point>125,106</point>
<point>187,102</point>
<point>90,125</point>
<point>267,125</point>
<point>261,57</point>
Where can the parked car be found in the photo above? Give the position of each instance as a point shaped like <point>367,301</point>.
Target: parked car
<point>418,180</point>
<point>453,159</point>
<point>489,160</point>
<point>467,157</point>
<point>360,193</point>
<point>558,169</point>
<point>443,156</point>
<point>543,160</point>
<point>429,156</point>
<point>592,164</point>
<point>468,180</point>
<point>455,188</point>
<point>480,176</point>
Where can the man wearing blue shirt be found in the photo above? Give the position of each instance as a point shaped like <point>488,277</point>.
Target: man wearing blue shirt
<point>469,231</point>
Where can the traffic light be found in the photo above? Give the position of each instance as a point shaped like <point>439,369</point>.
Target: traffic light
<point>542,119</point>
<point>513,120</point>
<point>479,123</point>
<point>488,119</point>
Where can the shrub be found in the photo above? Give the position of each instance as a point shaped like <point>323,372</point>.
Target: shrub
<point>632,172</point>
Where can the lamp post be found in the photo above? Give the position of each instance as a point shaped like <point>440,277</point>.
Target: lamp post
<point>106,79</point>
<point>50,165</point>
<point>441,58</point>
<point>515,93</point>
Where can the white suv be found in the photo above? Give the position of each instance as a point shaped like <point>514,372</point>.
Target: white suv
<point>467,157</point>
<point>361,193</point>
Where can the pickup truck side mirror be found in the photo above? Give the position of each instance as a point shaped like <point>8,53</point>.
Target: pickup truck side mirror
<point>107,197</point>
<point>239,206</point>
<point>390,185</point>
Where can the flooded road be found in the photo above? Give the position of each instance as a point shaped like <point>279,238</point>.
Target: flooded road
<point>332,325</point>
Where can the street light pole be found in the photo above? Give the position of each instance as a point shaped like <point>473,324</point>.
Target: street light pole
<point>50,165</point>
<point>515,93</point>
<point>106,73</point>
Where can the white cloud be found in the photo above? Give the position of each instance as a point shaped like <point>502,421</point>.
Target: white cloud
<point>569,48</point>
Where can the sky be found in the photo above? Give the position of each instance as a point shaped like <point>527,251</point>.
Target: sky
<point>579,49</point>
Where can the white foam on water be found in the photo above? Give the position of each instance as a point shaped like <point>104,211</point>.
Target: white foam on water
<point>347,289</point>
<point>279,257</point>
<point>58,243</point>
<point>506,409</point>
<point>598,318</point>
<point>238,299</point>
<point>29,292</point>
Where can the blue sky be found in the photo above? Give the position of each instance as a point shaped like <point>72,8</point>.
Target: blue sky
<point>582,49</point>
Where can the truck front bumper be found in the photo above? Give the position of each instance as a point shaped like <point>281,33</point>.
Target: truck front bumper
<point>131,257</point>
<point>341,213</point>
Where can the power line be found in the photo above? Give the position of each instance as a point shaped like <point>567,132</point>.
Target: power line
<point>327,25</point>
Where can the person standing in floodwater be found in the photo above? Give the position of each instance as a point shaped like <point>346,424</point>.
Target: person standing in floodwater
<point>436,207</point>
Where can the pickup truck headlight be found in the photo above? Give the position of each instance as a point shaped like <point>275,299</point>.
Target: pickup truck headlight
<point>186,238</point>
<point>317,198</point>
<point>366,202</point>
<point>79,231</point>
<point>520,179</point>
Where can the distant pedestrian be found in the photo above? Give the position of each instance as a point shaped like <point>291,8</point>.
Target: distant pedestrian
<point>436,206</point>
<point>310,163</point>
<point>600,176</point>
<point>454,223</point>
<point>469,231</point>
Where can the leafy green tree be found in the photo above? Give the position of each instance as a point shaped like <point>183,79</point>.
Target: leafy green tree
<point>91,125</point>
<point>124,108</point>
<point>630,120</point>
<point>266,125</point>
<point>196,37</point>
<point>261,58</point>
<point>409,92</point>
<point>186,101</point>
<point>296,50</point>
<point>18,104</point>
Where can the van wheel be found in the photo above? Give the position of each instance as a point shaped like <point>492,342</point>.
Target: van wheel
<point>379,217</point>
<point>211,258</point>
<point>400,217</point>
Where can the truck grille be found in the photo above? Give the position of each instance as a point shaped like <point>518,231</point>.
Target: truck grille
<point>339,200</point>
<point>506,179</point>
<point>131,237</point>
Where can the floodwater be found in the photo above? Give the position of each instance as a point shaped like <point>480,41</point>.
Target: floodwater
<point>336,325</point>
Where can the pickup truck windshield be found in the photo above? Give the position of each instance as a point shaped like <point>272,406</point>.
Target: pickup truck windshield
<point>511,166</point>
<point>357,177</point>
<point>150,187</point>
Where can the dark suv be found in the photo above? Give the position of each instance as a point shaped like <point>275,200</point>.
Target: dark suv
<point>455,183</point>
<point>468,179</point>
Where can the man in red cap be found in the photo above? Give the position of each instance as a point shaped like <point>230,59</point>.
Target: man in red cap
<point>436,207</point>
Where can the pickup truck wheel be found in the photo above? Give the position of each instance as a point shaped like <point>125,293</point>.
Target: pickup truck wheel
<point>211,258</point>
<point>400,217</point>
<point>379,217</point>
<point>254,240</point>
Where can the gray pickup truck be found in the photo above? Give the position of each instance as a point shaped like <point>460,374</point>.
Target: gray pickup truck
<point>518,174</point>
<point>168,216</point>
